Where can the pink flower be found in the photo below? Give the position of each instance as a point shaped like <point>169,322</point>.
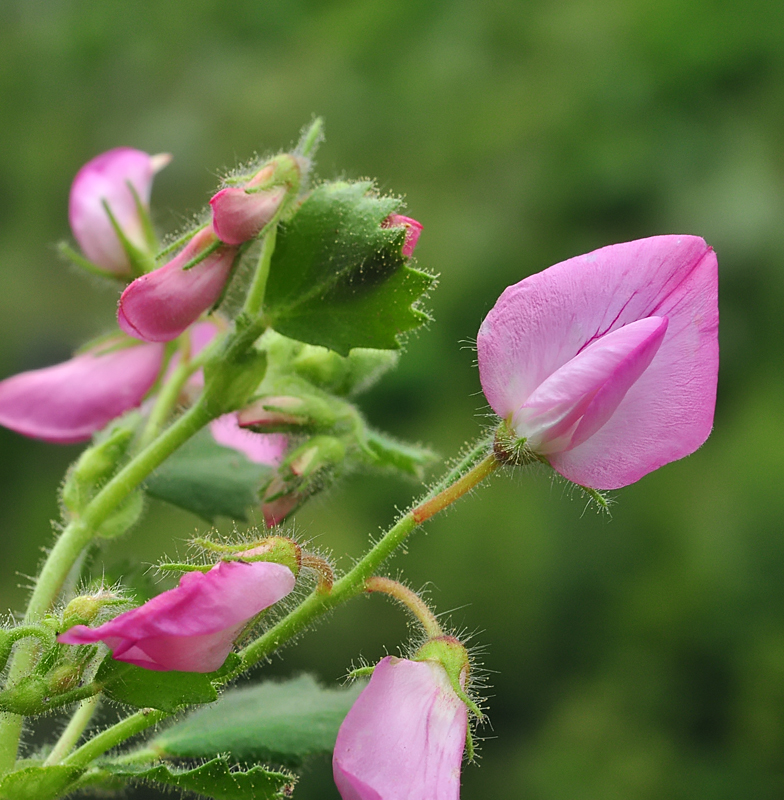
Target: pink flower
<point>261,448</point>
<point>159,306</point>
<point>192,627</point>
<point>69,402</point>
<point>404,736</point>
<point>106,179</point>
<point>413,230</point>
<point>606,364</point>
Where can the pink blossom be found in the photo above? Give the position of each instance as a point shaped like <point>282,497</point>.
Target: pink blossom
<point>239,215</point>
<point>413,230</point>
<point>106,179</point>
<point>606,364</point>
<point>261,448</point>
<point>159,306</point>
<point>69,402</point>
<point>192,627</point>
<point>403,738</point>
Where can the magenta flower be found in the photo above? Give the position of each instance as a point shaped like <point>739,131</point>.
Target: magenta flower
<point>413,230</point>
<point>159,306</point>
<point>261,448</point>
<point>69,402</point>
<point>192,627</point>
<point>606,364</point>
<point>106,179</point>
<point>404,736</point>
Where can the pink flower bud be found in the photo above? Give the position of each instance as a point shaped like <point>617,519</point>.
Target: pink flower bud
<point>192,627</point>
<point>69,402</point>
<point>403,738</point>
<point>261,448</point>
<point>413,230</point>
<point>606,364</point>
<point>106,179</point>
<point>159,306</point>
<point>239,215</point>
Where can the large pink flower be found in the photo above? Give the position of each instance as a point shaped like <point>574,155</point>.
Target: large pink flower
<point>403,738</point>
<point>107,179</point>
<point>192,627</point>
<point>606,364</point>
<point>69,402</point>
<point>159,306</point>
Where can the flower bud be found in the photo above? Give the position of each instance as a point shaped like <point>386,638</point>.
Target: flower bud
<point>261,448</point>
<point>159,306</point>
<point>240,213</point>
<point>413,231</point>
<point>117,185</point>
<point>69,402</point>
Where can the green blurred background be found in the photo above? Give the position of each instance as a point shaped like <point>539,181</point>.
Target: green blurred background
<point>635,658</point>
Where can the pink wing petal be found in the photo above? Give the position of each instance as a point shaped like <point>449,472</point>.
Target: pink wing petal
<point>261,448</point>
<point>69,402</point>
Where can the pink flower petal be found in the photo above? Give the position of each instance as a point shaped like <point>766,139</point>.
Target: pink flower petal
<point>159,306</point>
<point>105,179</point>
<point>69,402</point>
<point>540,324</point>
<point>238,215</point>
<point>404,736</point>
<point>192,627</point>
<point>413,231</point>
<point>261,448</point>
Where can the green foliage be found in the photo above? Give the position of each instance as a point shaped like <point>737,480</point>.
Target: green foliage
<point>167,691</point>
<point>209,480</point>
<point>37,783</point>
<point>339,279</point>
<point>217,779</point>
<point>282,722</point>
<point>388,453</point>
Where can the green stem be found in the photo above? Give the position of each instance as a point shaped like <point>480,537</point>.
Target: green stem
<point>474,468</point>
<point>74,730</point>
<point>114,736</point>
<point>254,300</point>
<point>74,538</point>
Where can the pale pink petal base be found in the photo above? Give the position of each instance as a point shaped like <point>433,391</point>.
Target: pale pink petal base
<point>404,736</point>
<point>239,215</point>
<point>192,627</point>
<point>69,402</point>
<point>540,324</point>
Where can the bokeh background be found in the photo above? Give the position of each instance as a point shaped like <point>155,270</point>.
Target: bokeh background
<point>638,657</point>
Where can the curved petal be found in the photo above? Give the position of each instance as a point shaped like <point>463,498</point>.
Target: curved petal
<point>69,402</point>
<point>191,628</point>
<point>105,179</point>
<point>541,323</point>
<point>404,736</point>
<point>413,231</point>
<point>159,306</point>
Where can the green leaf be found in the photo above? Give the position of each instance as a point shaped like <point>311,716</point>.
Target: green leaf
<point>167,691</point>
<point>215,779</point>
<point>209,480</point>
<point>38,783</point>
<point>340,280</point>
<point>279,722</point>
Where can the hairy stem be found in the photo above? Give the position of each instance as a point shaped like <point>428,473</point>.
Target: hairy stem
<point>74,730</point>
<point>410,599</point>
